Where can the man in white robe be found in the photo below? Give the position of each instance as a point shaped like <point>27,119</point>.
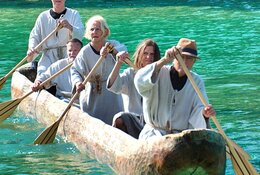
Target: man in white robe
<point>170,104</point>
<point>55,47</point>
<point>63,81</point>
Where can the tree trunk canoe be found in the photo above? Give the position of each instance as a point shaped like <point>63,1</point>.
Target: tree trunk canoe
<point>198,151</point>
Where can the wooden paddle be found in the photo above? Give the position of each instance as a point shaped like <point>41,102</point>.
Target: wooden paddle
<point>129,62</point>
<point>236,146</point>
<point>3,79</point>
<point>239,160</point>
<point>48,135</point>
<point>7,108</point>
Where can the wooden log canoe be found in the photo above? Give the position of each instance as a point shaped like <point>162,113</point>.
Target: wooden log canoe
<point>198,151</point>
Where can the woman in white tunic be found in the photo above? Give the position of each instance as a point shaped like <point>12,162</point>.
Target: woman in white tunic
<point>170,103</point>
<point>131,120</point>
<point>55,47</point>
<point>96,100</point>
<point>63,81</point>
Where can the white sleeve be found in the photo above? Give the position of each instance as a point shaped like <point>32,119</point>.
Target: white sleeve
<point>78,70</point>
<point>143,79</point>
<point>36,35</point>
<point>121,83</point>
<point>78,27</point>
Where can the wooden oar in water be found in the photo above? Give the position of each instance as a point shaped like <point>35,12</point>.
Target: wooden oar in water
<point>239,159</point>
<point>3,79</point>
<point>48,135</point>
<point>7,108</point>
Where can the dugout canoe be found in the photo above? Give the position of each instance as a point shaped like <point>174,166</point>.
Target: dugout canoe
<point>199,151</point>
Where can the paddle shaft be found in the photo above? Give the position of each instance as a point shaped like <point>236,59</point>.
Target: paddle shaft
<point>128,61</point>
<point>48,135</point>
<point>75,96</point>
<point>36,48</point>
<point>7,108</point>
<point>241,167</point>
<point>50,78</point>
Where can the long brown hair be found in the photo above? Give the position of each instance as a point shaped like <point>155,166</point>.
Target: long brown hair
<point>138,55</point>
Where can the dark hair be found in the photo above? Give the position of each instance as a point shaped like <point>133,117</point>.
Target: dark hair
<point>140,51</point>
<point>75,40</point>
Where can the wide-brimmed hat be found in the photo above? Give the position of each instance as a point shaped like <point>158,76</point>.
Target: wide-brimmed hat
<point>188,47</point>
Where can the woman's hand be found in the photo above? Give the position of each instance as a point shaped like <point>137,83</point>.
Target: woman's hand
<point>105,50</point>
<point>79,87</point>
<point>122,56</point>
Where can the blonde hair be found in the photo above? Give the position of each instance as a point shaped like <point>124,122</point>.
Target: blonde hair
<point>103,24</point>
<point>138,55</point>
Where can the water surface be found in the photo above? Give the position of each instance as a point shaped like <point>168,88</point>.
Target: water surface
<point>227,35</point>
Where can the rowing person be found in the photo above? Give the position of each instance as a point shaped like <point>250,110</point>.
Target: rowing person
<point>170,103</point>
<point>95,99</point>
<point>63,81</point>
<point>131,120</point>
<point>55,47</point>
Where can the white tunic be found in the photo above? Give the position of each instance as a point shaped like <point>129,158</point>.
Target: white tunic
<point>62,81</point>
<point>96,100</point>
<point>55,47</point>
<point>124,84</point>
<point>166,108</point>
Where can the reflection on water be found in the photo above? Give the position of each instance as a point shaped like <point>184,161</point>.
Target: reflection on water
<point>55,162</point>
<point>19,155</point>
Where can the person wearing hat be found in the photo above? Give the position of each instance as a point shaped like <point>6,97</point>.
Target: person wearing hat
<point>170,104</point>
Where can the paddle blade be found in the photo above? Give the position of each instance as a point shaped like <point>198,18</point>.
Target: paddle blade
<point>7,108</point>
<point>2,82</point>
<point>48,135</point>
<point>240,164</point>
<point>228,152</point>
<point>239,149</point>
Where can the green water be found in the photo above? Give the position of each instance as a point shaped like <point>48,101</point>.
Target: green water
<point>227,33</point>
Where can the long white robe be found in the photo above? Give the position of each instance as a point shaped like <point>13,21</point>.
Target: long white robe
<point>55,47</point>
<point>124,84</point>
<point>101,104</point>
<point>165,108</point>
<point>132,115</point>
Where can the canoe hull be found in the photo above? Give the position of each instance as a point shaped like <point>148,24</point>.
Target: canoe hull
<point>192,151</point>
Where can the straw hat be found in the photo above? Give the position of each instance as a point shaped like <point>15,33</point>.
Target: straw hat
<point>188,47</point>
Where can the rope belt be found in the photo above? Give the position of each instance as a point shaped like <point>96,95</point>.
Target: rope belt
<point>59,51</point>
<point>50,48</point>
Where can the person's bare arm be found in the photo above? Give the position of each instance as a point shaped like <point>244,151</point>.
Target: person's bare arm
<point>121,56</point>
